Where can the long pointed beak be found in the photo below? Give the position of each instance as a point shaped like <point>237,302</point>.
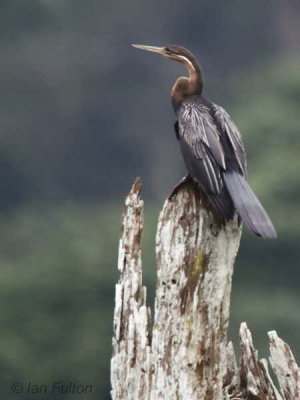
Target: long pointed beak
<point>153,49</point>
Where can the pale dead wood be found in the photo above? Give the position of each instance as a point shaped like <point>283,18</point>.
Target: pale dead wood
<point>285,367</point>
<point>188,356</point>
<point>130,364</point>
<point>231,379</point>
<point>195,256</point>
<point>256,382</point>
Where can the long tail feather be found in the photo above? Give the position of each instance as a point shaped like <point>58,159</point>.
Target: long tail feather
<point>223,204</point>
<point>248,206</point>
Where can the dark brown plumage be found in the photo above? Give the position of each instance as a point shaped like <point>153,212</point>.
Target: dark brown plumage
<point>212,147</point>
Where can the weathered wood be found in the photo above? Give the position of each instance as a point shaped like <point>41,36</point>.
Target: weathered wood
<point>185,355</point>
<point>231,379</point>
<point>285,367</point>
<point>195,256</point>
<point>130,362</point>
<point>256,382</point>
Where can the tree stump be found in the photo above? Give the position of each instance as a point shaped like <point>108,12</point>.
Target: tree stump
<point>185,354</point>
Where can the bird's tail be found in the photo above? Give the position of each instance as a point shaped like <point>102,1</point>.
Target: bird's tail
<point>248,206</point>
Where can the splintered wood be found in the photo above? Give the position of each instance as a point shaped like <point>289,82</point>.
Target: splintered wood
<point>130,364</point>
<point>185,354</point>
<point>195,256</point>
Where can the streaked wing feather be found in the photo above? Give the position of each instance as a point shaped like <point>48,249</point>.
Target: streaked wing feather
<point>201,145</point>
<point>233,135</point>
<point>204,170</point>
<point>197,127</point>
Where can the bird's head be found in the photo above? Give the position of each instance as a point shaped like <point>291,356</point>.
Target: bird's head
<point>177,53</point>
<point>183,86</point>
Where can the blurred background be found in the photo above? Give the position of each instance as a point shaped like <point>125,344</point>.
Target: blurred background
<point>82,114</point>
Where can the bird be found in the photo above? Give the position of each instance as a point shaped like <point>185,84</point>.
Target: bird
<point>212,147</point>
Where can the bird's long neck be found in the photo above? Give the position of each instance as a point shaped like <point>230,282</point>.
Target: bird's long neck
<point>187,86</point>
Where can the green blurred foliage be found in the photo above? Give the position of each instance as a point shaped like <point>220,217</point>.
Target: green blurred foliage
<point>81,115</point>
<point>57,281</point>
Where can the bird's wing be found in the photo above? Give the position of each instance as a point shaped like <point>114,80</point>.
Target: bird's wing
<point>228,127</point>
<point>201,146</point>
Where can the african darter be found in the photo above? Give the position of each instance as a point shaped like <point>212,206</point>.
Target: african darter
<point>212,147</point>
